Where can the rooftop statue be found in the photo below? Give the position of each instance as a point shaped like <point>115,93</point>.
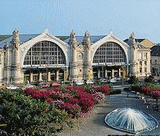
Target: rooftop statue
<point>15,39</point>
<point>132,39</point>
<point>72,39</point>
<point>86,39</point>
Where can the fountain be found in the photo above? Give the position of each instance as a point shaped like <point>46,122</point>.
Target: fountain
<point>131,120</point>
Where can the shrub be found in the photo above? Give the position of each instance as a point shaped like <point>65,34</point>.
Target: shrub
<point>137,87</point>
<point>73,110</point>
<point>151,86</point>
<point>133,80</point>
<point>56,103</point>
<point>104,89</point>
<point>111,87</point>
<point>59,95</point>
<point>70,98</point>
<point>80,88</point>
<point>156,94</point>
<point>146,90</point>
<point>26,116</point>
<point>98,97</point>
<point>149,79</point>
<point>73,101</point>
<point>43,95</point>
<point>86,101</point>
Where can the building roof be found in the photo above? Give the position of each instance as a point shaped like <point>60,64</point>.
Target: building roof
<point>93,38</point>
<point>3,37</point>
<point>23,38</point>
<point>26,37</point>
<point>155,50</point>
<point>137,40</point>
<point>139,46</point>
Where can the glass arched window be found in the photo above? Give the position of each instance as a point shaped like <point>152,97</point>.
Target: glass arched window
<point>44,52</point>
<point>109,52</point>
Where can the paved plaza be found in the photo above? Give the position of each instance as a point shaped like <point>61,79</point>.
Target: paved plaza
<point>93,124</point>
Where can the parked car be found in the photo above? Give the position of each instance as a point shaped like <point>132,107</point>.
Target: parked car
<point>55,85</point>
<point>12,87</point>
<point>79,82</point>
<point>44,85</point>
<point>103,80</point>
<point>113,80</point>
<point>118,79</point>
<point>89,82</point>
<point>29,86</point>
<point>127,79</point>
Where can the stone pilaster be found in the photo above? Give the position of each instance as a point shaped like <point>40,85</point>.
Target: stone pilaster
<point>16,60</point>
<point>57,75</point>
<point>31,77</point>
<point>119,72</point>
<point>7,66</point>
<point>73,56</point>
<point>112,72</point>
<point>106,73</point>
<point>132,43</point>
<point>99,76</point>
<point>87,55</point>
<point>49,76</point>
<point>40,76</point>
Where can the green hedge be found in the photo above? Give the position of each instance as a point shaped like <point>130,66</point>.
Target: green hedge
<point>26,116</point>
<point>137,87</point>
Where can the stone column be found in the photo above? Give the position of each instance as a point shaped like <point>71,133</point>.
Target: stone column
<point>40,76</point>
<point>112,72</point>
<point>49,76</point>
<point>106,74</point>
<point>99,73</point>
<point>57,75</point>
<point>31,77</point>
<point>119,72</point>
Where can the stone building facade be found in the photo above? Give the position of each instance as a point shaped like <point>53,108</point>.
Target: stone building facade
<point>44,57</point>
<point>140,54</point>
<point>155,60</point>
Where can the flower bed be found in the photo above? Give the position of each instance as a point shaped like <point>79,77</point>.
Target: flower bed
<point>26,116</point>
<point>74,100</point>
<point>147,89</point>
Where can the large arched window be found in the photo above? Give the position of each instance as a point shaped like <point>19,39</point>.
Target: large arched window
<point>109,52</point>
<point>44,52</point>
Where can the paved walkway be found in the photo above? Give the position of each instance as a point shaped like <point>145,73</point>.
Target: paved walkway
<point>93,124</point>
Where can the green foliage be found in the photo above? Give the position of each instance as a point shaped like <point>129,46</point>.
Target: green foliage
<point>149,79</point>
<point>111,87</point>
<point>151,86</point>
<point>133,80</point>
<point>138,86</point>
<point>37,88</point>
<point>99,83</point>
<point>26,116</point>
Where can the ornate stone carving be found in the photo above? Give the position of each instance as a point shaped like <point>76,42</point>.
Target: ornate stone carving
<point>72,40</point>
<point>86,40</point>
<point>15,39</point>
<point>132,39</point>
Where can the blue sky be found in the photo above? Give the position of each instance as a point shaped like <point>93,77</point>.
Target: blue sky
<point>96,16</point>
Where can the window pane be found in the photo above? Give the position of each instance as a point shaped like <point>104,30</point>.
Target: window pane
<point>44,53</point>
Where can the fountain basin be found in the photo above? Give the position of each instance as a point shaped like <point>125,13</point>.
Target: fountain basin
<point>131,120</point>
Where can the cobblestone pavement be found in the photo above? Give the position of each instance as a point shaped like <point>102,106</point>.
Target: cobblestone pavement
<point>93,124</point>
